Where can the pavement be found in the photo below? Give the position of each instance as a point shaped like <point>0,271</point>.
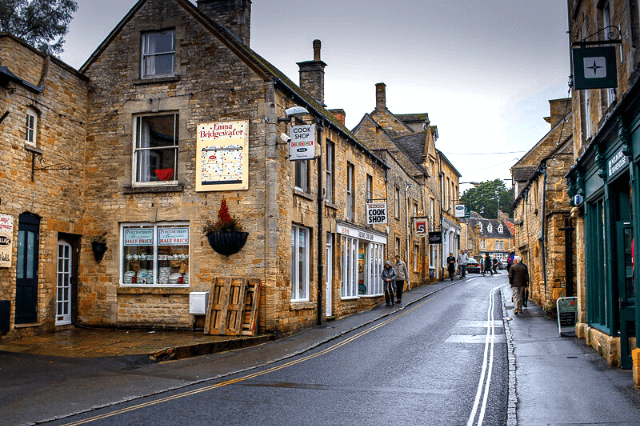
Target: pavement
<point>552,379</point>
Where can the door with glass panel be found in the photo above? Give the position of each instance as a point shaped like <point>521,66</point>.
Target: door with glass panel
<point>329,277</point>
<point>63,284</point>
<point>27,269</point>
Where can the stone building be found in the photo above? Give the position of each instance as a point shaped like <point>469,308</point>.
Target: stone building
<point>171,114</point>
<point>43,116</point>
<point>480,236</point>
<point>603,183</point>
<point>411,139</point>
<point>541,210</point>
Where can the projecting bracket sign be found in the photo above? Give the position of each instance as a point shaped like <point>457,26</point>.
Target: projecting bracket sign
<point>594,68</point>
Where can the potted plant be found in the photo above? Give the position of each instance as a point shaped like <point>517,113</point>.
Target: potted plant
<point>225,235</point>
<point>99,246</point>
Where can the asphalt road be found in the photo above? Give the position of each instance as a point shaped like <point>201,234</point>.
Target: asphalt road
<point>442,361</point>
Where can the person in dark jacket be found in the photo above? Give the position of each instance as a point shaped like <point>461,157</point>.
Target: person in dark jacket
<point>389,282</point>
<point>487,264</point>
<point>451,265</point>
<point>519,280</point>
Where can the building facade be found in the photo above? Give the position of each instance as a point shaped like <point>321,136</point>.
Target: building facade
<point>480,236</point>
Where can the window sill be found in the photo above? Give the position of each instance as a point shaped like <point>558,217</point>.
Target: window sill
<point>301,305</point>
<point>371,296</point>
<point>151,189</point>
<point>33,149</point>
<point>139,290</point>
<point>350,298</point>
<point>331,205</point>
<point>30,325</point>
<point>157,80</point>
<point>299,193</point>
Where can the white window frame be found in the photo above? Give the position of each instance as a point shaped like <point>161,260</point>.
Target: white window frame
<point>433,256</point>
<point>396,203</point>
<point>416,256</point>
<point>587,114</point>
<point>301,175</point>
<point>483,243</point>
<point>138,161</point>
<point>300,263</point>
<point>31,127</point>
<point>330,171</point>
<point>374,263</point>
<point>500,229</point>
<point>348,267</point>
<point>156,258</point>
<point>489,228</point>
<point>149,56</point>
<point>350,191</point>
<point>369,188</point>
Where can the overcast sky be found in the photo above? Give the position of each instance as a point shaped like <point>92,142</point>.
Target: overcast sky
<point>484,70</point>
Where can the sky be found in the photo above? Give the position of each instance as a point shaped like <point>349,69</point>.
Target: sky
<point>484,70</point>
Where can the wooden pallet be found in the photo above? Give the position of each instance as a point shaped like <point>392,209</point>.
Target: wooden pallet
<point>233,307</point>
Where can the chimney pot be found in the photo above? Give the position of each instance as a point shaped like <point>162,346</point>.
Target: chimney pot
<point>317,44</point>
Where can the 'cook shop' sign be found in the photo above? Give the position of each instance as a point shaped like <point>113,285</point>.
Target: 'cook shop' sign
<point>6,240</point>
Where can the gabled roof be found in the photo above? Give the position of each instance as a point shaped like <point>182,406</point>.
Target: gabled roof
<point>448,162</point>
<point>257,63</point>
<point>495,223</point>
<point>413,145</point>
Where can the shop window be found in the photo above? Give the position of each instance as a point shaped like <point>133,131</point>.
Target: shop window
<point>348,267</point>
<point>155,254</point>
<point>433,256</point>
<point>156,148</point>
<point>300,263</point>
<point>158,54</point>
<point>370,264</point>
<point>31,127</point>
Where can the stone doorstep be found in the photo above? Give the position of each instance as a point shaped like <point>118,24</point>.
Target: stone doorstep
<point>189,351</point>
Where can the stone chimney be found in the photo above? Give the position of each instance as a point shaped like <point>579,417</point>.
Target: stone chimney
<point>235,15</point>
<point>312,74</point>
<point>558,109</point>
<point>381,96</point>
<point>340,114</point>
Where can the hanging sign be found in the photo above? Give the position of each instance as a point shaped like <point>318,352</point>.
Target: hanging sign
<point>594,68</point>
<point>421,227</point>
<point>462,211</point>
<point>303,142</point>
<point>376,213</point>
<point>6,240</point>
<point>222,161</point>
<point>435,237</point>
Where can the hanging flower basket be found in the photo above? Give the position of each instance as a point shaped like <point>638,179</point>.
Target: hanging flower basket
<point>227,243</point>
<point>99,248</point>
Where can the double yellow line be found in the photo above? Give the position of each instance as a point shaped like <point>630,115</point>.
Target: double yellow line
<point>248,376</point>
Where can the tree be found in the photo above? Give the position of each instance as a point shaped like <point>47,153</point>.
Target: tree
<point>484,198</point>
<point>41,23</point>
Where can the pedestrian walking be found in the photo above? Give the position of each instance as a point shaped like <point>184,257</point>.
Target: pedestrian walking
<point>389,282</point>
<point>451,265</point>
<point>462,263</point>
<point>487,264</point>
<point>519,280</point>
<point>401,275</point>
<point>495,265</point>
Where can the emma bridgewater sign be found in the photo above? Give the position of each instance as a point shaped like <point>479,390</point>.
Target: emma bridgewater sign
<point>222,161</point>
<point>6,240</point>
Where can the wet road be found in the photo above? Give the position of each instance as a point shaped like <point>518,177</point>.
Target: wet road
<point>441,361</point>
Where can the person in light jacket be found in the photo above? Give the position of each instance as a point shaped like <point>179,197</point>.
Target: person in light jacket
<point>401,275</point>
<point>389,282</point>
<point>463,258</point>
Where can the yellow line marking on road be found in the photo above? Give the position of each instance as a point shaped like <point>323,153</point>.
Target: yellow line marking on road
<point>249,376</point>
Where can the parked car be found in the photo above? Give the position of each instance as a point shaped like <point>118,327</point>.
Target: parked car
<point>502,264</point>
<point>473,266</point>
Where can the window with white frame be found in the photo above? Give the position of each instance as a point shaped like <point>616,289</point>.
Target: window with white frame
<point>300,245</point>
<point>397,246</point>
<point>350,192</point>
<point>369,188</point>
<point>155,254</point>
<point>433,256</point>
<point>489,228</point>
<point>416,256</point>
<point>370,263</point>
<point>396,203</point>
<point>348,267</point>
<point>330,147</point>
<point>158,54</point>
<point>302,175</point>
<point>606,22</point>
<point>31,127</point>
<point>500,229</point>
<point>483,243</point>
<point>587,114</point>
<point>156,148</point>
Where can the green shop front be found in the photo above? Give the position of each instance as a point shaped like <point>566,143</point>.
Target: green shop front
<point>605,184</point>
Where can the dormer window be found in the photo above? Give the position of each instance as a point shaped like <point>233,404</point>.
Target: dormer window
<point>489,228</point>
<point>500,229</point>
<point>31,127</point>
<point>158,54</point>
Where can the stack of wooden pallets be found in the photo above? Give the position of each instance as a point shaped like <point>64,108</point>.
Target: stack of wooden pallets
<point>233,307</point>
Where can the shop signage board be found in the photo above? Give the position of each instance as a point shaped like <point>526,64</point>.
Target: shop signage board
<point>435,237</point>
<point>6,240</point>
<point>617,164</point>
<point>303,142</point>
<point>361,234</point>
<point>173,236</point>
<point>376,213</point>
<point>567,312</point>
<point>421,227</point>
<point>462,211</point>
<point>222,162</point>
<point>138,237</point>
<point>594,68</point>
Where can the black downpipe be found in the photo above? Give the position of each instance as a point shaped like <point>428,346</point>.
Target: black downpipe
<point>544,230</point>
<point>320,232</point>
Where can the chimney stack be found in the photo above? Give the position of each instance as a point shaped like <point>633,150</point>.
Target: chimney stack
<point>312,74</point>
<point>235,15</point>
<point>381,96</point>
<point>340,114</point>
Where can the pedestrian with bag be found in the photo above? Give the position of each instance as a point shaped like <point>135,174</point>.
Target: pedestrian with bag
<point>463,259</point>
<point>451,265</point>
<point>487,264</point>
<point>389,282</point>
<point>519,280</point>
<point>401,275</point>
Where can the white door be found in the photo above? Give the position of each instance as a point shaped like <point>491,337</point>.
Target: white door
<point>329,278</point>
<point>63,286</point>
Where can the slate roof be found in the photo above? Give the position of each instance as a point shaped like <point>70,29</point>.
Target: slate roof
<point>256,62</point>
<point>523,173</point>
<point>413,145</point>
<point>495,223</point>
